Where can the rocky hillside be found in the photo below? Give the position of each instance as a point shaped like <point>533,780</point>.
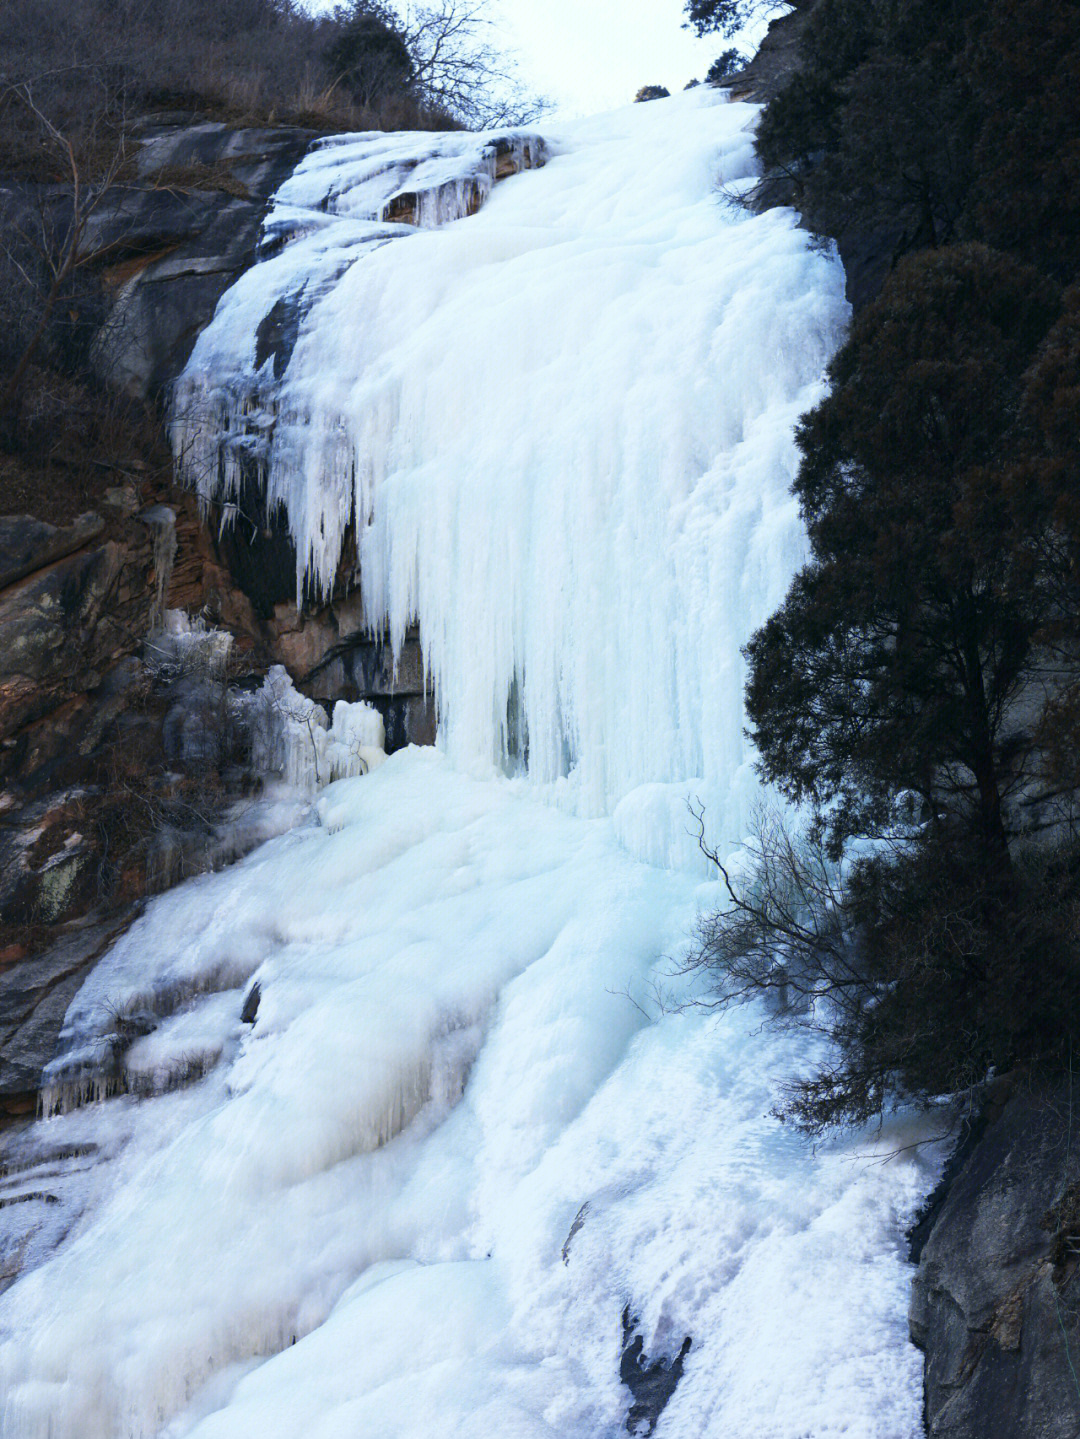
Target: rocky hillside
<point>102,804</point>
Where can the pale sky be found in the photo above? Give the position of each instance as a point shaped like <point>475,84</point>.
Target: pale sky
<point>593,55</point>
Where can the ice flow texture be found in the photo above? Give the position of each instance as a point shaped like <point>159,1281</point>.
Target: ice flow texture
<point>457,968</point>
<point>563,426</point>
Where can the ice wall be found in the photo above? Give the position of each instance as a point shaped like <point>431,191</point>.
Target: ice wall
<point>564,426</point>
<point>474,1115</point>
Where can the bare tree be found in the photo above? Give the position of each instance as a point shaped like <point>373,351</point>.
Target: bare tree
<point>786,931</point>
<point>50,241</point>
<point>459,68</point>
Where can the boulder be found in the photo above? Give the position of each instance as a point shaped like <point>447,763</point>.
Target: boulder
<point>777,62</point>
<point>27,544</point>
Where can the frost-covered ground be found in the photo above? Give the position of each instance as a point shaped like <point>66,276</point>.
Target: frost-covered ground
<point>416,1194</point>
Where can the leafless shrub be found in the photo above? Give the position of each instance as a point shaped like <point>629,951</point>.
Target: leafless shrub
<point>461,70</point>
<point>252,61</point>
<point>785,933</point>
<point>926,979</point>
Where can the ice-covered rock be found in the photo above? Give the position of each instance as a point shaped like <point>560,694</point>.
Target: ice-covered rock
<point>476,1118</point>
<point>292,736</point>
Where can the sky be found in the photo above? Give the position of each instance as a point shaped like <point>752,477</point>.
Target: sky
<point>592,55</point>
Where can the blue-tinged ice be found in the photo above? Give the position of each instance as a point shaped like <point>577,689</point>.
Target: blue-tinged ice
<point>454,1114</point>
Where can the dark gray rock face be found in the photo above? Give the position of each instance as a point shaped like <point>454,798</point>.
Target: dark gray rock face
<point>27,544</point>
<point>174,243</point>
<point>996,1301</point>
<point>64,623</point>
<point>867,253</point>
<point>778,60</point>
<point>34,996</point>
<point>652,1383</point>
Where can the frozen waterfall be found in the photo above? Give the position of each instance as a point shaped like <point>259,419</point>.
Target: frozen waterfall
<point>563,426</point>
<point>449,1115</point>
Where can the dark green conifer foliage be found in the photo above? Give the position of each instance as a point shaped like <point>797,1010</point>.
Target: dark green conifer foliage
<point>727,63</point>
<point>368,56</point>
<point>938,122</point>
<point>895,660</point>
<point>707,16</point>
<point>1023,70</point>
<point>920,685</point>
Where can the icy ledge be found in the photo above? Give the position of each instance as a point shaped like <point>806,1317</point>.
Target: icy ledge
<point>434,929</point>
<point>352,195</point>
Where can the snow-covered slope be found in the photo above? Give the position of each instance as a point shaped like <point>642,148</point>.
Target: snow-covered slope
<point>473,1122</point>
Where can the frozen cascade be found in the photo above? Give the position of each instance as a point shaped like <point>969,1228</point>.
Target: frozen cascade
<point>292,737</point>
<point>468,1120</point>
<point>189,646</point>
<point>565,424</point>
<point>351,196</point>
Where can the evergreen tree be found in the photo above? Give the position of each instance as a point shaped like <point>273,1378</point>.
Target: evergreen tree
<point>900,655</point>
<point>920,685</point>
<point>368,55</point>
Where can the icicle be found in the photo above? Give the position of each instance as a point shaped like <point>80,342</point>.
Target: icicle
<point>292,737</point>
<point>562,434</point>
<point>350,197</point>
<point>158,1038</point>
<point>162,522</point>
<point>190,646</point>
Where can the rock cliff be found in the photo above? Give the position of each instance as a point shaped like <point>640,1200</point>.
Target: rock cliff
<point>100,804</point>
<point>995,1302</point>
<point>867,251</point>
<point>174,241</point>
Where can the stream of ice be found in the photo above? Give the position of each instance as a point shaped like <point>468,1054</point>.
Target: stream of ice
<point>565,425</point>
<point>455,1116</point>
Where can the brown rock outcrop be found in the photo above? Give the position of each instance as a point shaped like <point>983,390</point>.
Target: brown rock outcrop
<point>113,782</point>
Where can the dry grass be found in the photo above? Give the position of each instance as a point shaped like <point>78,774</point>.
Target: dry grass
<point>78,441</point>
<point>199,176</point>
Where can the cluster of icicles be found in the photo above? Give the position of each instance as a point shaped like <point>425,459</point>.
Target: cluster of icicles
<point>557,431</point>
<point>351,195</point>
<point>291,737</point>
